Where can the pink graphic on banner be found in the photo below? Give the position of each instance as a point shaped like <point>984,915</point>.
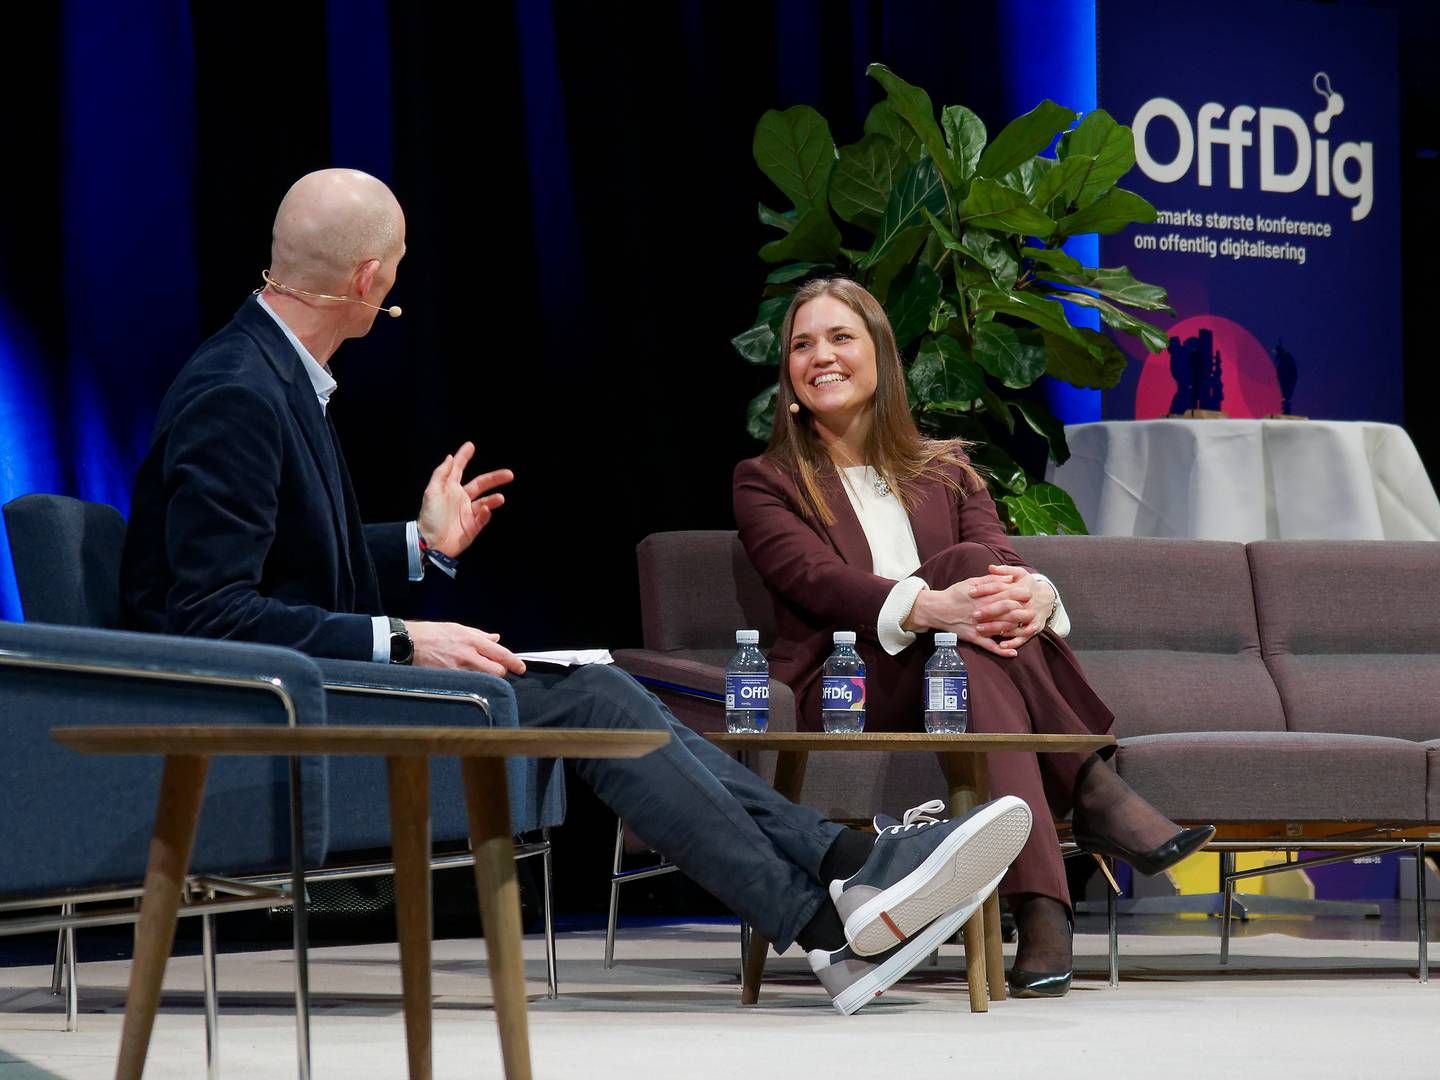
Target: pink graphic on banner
<point>1213,363</point>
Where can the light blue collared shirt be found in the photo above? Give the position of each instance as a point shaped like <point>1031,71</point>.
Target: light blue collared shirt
<point>324,384</point>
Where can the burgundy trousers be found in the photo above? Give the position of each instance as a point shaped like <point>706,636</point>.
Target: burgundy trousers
<point>1042,689</point>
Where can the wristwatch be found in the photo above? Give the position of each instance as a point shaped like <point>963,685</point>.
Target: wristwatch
<point>402,649</point>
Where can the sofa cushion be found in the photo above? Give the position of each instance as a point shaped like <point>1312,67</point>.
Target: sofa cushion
<point>1278,776</point>
<point>1348,629</point>
<point>1125,592</point>
<point>1153,692</point>
<point>1165,630</point>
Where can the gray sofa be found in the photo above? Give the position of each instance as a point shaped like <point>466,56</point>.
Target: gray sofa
<point>1288,691</point>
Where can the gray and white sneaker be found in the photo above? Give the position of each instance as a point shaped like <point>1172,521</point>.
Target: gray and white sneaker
<point>923,867</point>
<point>854,981</point>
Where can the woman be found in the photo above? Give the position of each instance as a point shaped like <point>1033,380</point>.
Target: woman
<point>857,522</point>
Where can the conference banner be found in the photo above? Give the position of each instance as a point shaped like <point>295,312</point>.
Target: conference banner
<point>1267,138</point>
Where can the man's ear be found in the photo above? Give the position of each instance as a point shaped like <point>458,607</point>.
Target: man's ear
<point>364,279</point>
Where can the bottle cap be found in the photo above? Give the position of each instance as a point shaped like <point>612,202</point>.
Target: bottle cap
<point>747,637</point>
<point>844,637</point>
<point>942,639</point>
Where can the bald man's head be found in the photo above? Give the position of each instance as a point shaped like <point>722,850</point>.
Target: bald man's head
<point>330,223</point>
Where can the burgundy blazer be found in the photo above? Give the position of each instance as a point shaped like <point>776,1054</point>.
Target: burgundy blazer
<point>821,575</point>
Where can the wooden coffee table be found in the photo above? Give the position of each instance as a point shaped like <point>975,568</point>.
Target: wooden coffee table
<point>967,773</point>
<point>407,750</point>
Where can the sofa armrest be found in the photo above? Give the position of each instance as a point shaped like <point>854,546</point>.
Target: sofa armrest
<point>75,820</point>
<point>379,693</point>
<point>680,673</point>
<point>292,678</point>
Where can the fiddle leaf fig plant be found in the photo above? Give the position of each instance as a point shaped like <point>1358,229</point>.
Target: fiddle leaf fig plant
<point>960,236</point>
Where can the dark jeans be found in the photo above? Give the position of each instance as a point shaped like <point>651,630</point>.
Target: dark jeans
<point>722,825</point>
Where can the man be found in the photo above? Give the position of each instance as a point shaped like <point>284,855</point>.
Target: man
<point>244,525</point>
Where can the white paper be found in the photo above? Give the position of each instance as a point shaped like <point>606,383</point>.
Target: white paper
<point>569,657</point>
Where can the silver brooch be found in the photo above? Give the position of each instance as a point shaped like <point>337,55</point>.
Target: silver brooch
<point>881,487</point>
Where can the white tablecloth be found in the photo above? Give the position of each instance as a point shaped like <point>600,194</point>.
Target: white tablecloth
<point>1250,480</point>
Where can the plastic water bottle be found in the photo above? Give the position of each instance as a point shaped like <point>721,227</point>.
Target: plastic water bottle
<point>947,689</point>
<point>747,685</point>
<point>842,687</point>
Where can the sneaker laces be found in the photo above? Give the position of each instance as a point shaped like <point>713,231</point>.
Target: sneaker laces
<point>922,815</point>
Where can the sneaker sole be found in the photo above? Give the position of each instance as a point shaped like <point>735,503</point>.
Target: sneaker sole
<point>865,990</point>
<point>969,857</point>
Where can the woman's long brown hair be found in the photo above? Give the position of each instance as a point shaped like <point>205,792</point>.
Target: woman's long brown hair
<point>894,448</point>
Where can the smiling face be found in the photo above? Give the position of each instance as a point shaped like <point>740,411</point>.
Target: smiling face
<point>831,360</point>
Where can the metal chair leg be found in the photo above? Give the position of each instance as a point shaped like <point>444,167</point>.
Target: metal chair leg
<point>551,976</point>
<point>1112,925</point>
<point>1227,887</point>
<point>57,973</point>
<point>72,982</point>
<point>614,894</point>
<point>300,930</point>
<point>1422,929</point>
<point>212,993</point>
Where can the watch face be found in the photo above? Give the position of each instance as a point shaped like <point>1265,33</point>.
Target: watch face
<point>402,649</point>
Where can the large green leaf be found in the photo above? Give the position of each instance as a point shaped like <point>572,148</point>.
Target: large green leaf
<point>1110,213</point>
<point>913,106</point>
<point>884,120</point>
<point>998,409</point>
<point>1024,137</point>
<point>965,136</point>
<point>793,272</point>
<point>952,420</point>
<point>942,374</point>
<point>759,344</point>
<point>1026,175</point>
<point>992,205</point>
<point>1110,145</point>
<point>920,189</point>
<point>1093,362</point>
<point>1015,357</point>
<point>1005,470</point>
<point>863,178</point>
<point>1062,182</point>
<point>1118,284</point>
<point>942,232</point>
<point>994,253</point>
<point>1043,422</point>
<point>1044,510</point>
<point>784,222</point>
<point>910,308</point>
<point>814,239</point>
<point>794,149</point>
<point>1046,314</point>
<point>760,413</point>
<point>1054,258</point>
<point>878,278</point>
<point>1155,339</point>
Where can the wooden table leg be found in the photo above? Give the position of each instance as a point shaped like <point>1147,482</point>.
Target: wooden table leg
<point>410,842</point>
<point>789,780</point>
<point>181,789</point>
<point>994,948</point>
<point>488,804</point>
<point>968,777</point>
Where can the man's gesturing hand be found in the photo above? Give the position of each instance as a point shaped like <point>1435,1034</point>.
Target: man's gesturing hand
<point>453,513</point>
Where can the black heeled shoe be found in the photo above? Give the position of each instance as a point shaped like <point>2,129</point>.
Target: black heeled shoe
<point>1161,857</point>
<point>1041,984</point>
<point>1038,984</point>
